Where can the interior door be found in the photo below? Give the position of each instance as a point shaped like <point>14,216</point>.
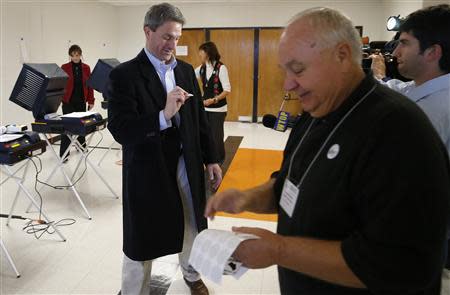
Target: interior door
<point>191,39</point>
<point>236,46</point>
<point>271,77</point>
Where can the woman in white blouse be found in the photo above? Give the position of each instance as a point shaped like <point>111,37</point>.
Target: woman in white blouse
<point>216,86</point>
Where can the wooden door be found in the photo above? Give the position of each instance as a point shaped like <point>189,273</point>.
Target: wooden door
<point>271,78</point>
<point>236,46</point>
<point>192,38</point>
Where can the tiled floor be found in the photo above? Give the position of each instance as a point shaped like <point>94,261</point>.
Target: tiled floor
<point>89,262</point>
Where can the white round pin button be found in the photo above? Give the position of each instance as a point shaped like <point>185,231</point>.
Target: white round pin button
<point>333,151</point>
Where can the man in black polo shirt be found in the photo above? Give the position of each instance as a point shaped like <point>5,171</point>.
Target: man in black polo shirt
<point>364,188</point>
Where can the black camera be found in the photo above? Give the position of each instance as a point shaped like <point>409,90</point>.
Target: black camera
<point>385,49</point>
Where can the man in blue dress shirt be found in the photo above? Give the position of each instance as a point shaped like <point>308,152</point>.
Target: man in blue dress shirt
<point>423,55</point>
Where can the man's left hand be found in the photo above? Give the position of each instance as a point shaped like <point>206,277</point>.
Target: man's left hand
<point>258,253</point>
<point>215,175</point>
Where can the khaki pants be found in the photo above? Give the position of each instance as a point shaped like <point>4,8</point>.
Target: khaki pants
<point>136,275</point>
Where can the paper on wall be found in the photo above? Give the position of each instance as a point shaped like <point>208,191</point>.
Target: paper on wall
<point>212,250</point>
<point>181,51</point>
<point>23,51</point>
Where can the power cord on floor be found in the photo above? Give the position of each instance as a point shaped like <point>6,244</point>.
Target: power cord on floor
<point>38,227</point>
<point>79,178</point>
<point>13,216</point>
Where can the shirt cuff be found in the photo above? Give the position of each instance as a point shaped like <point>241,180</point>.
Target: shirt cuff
<point>163,124</point>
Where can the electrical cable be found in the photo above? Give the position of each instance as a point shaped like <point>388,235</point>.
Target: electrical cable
<point>38,227</point>
<point>79,178</point>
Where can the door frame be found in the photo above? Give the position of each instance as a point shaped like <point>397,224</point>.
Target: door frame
<point>256,31</point>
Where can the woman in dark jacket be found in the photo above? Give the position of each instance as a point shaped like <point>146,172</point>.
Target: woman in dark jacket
<point>77,93</point>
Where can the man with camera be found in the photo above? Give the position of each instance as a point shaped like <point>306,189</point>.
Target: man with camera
<point>423,55</point>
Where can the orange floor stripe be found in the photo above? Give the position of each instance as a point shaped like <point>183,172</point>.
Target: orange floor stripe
<point>251,167</point>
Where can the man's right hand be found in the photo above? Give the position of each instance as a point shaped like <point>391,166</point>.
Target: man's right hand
<point>229,201</point>
<point>378,66</point>
<point>175,99</point>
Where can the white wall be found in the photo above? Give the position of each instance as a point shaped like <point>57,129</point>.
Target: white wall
<point>371,14</point>
<point>103,30</point>
<point>46,29</point>
<point>367,13</point>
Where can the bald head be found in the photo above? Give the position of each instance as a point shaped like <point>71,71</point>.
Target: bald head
<point>301,32</point>
<point>329,27</point>
<point>321,58</point>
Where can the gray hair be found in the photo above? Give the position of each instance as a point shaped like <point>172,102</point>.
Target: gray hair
<point>332,27</point>
<point>158,14</point>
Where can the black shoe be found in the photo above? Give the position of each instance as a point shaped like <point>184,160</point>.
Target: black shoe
<point>197,287</point>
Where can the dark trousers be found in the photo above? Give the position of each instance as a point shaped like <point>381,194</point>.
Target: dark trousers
<point>216,121</point>
<point>77,106</point>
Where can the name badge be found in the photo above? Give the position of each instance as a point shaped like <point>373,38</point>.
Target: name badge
<point>289,197</point>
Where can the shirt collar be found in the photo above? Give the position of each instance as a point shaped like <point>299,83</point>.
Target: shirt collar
<point>429,87</point>
<point>210,64</point>
<point>159,65</point>
<point>361,90</point>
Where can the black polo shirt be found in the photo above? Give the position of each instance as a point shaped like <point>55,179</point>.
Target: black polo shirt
<point>385,194</point>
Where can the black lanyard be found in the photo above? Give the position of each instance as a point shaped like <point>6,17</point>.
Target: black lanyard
<point>326,140</point>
